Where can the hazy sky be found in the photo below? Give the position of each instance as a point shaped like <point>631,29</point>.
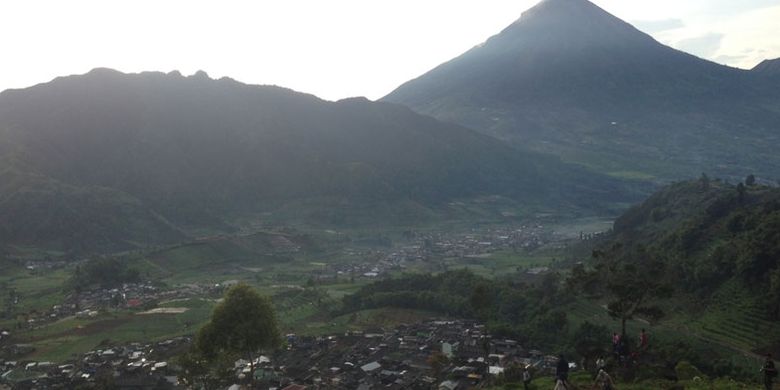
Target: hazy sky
<point>334,48</point>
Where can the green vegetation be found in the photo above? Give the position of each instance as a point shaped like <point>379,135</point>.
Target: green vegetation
<point>32,290</point>
<point>71,337</point>
<point>103,272</point>
<point>584,380</point>
<point>527,312</point>
<point>713,321</point>
<point>241,326</point>
<point>632,285</point>
<point>715,240</point>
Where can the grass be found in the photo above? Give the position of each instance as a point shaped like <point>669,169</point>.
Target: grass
<point>37,290</point>
<point>500,263</point>
<point>69,337</point>
<point>583,381</point>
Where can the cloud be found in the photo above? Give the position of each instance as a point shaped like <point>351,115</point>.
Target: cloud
<point>751,36</point>
<point>729,59</point>
<point>704,46</point>
<point>656,26</point>
<point>732,7</point>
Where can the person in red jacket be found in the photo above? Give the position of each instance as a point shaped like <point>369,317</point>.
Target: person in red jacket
<point>644,340</point>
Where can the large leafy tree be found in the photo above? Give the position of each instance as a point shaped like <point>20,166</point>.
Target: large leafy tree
<point>241,326</point>
<point>632,281</point>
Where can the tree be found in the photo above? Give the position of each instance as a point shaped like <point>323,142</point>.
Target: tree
<point>632,289</point>
<point>750,180</point>
<point>243,324</point>
<point>481,300</point>
<point>632,283</point>
<point>774,293</point>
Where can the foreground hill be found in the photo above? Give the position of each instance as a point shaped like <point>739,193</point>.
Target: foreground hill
<point>721,246</point>
<point>117,160</point>
<point>571,79</point>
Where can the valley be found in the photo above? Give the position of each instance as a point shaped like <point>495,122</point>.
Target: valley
<point>572,202</point>
<point>300,270</point>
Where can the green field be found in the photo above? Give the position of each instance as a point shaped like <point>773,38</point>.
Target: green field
<point>70,337</point>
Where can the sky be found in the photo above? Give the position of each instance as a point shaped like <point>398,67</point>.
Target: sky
<point>335,48</point>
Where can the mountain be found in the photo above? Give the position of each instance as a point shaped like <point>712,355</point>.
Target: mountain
<point>768,67</point>
<point>571,79</point>
<point>109,160</point>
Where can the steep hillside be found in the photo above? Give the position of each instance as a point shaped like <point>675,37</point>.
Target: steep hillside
<point>721,244</point>
<point>36,210</point>
<point>571,79</point>
<point>158,152</point>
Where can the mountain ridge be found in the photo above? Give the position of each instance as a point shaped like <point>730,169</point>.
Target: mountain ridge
<point>199,151</point>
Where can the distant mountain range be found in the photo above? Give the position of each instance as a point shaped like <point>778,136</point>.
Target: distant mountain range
<point>570,79</point>
<point>112,161</point>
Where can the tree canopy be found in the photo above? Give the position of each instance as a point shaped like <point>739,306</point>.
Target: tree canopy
<point>241,326</point>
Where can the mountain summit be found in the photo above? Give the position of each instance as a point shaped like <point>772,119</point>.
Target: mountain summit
<point>574,24</point>
<point>572,79</point>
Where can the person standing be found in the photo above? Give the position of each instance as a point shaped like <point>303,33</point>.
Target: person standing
<point>562,371</point>
<point>644,340</point>
<point>604,381</point>
<point>615,343</point>
<point>526,377</point>
<point>601,364</point>
<point>770,372</point>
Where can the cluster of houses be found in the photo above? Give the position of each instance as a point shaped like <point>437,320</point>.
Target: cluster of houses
<point>426,246</point>
<point>430,355</point>
<point>478,243</point>
<point>134,366</point>
<point>135,295</point>
<point>446,355</point>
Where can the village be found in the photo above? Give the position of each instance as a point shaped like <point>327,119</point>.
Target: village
<point>435,354</point>
<point>446,355</point>
<point>428,249</point>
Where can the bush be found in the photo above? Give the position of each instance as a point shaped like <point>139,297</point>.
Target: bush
<point>687,371</point>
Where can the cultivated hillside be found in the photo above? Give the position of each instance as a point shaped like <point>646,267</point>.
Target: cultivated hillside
<point>720,245</point>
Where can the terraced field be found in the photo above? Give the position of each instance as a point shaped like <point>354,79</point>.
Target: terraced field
<point>737,319</point>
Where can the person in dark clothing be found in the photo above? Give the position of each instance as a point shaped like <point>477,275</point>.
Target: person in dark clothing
<point>770,372</point>
<point>562,370</point>
<point>623,351</point>
<point>526,377</point>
